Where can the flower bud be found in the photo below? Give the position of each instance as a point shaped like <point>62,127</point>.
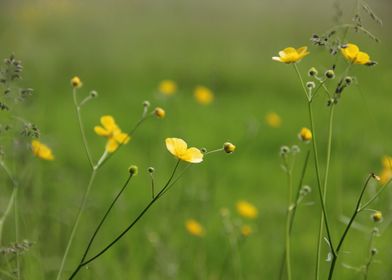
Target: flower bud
<point>159,112</point>
<point>151,170</point>
<point>348,80</point>
<point>133,170</point>
<point>377,216</point>
<point>93,94</point>
<point>312,72</point>
<point>310,85</point>
<point>305,134</point>
<point>228,147</point>
<point>295,149</point>
<point>146,104</point>
<point>76,82</point>
<point>330,74</point>
<point>373,251</point>
<point>203,150</point>
<point>284,150</point>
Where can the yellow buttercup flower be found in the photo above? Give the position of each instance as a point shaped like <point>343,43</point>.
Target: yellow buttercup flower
<point>110,130</point>
<point>273,120</point>
<point>41,150</point>
<point>305,134</point>
<point>167,87</point>
<point>194,227</point>
<point>203,95</point>
<point>387,162</point>
<point>352,53</point>
<point>159,112</point>
<point>291,55</point>
<point>179,148</point>
<point>246,209</point>
<point>386,173</point>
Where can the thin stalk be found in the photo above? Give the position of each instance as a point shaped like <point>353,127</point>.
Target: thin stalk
<point>104,218</point>
<point>316,161</point>
<point>129,227</point>
<point>354,215</point>
<point>321,227</point>
<point>76,224</point>
<point>371,255</point>
<point>7,211</point>
<point>375,196</point>
<point>294,210</point>
<point>287,236</point>
<point>81,127</point>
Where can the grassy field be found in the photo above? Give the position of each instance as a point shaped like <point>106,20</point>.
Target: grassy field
<point>123,50</point>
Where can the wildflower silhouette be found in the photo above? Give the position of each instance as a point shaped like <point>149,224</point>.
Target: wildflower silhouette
<point>352,53</point>
<point>291,55</point>
<point>114,134</point>
<point>194,227</point>
<point>246,209</point>
<point>167,87</point>
<point>179,149</point>
<point>203,95</point>
<point>41,151</point>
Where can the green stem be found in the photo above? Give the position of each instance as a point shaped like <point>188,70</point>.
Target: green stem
<point>287,239</point>
<point>321,227</point>
<point>81,127</point>
<point>76,223</point>
<point>316,161</point>
<point>104,218</point>
<point>130,226</point>
<point>342,238</point>
<point>371,255</point>
<point>16,213</point>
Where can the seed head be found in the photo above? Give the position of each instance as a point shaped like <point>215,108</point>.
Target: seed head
<point>330,74</point>
<point>312,72</point>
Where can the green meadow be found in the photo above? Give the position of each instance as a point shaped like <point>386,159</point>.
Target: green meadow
<point>123,50</point>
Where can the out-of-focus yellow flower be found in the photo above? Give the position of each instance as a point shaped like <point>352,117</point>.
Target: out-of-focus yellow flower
<point>273,120</point>
<point>110,130</point>
<point>305,134</point>
<point>352,53</point>
<point>41,150</point>
<point>194,227</point>
<point>179,148</point>
<point>203,95</point>
<point>76,82</point>
<point>291,55</point>
<point>386,173</point>
<point>167,87</point>
<point>246,209</point>
<point>387,162</point>
<point>159,112</point>
<point>246,230</point>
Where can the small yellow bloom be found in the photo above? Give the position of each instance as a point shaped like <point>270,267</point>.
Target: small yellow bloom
<point>377,216</point>
<point>352,53</point>
<point>385,176</point>
<point>203,95</point>
<point>305,134</point>
<point>167,87</point>
<point>194,228</point>
<point>246,230</point>
<point>110,130</point>
<point>159,112</point>
<point>291,55</point>
<point>273,120</point>
<point>228,147</point>
<point>41,150</point>
<point>246,209</point>
<point>76,82</point>
<point>179,148</point>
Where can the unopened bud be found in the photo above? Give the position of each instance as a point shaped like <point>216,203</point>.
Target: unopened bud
<point>330,74</point>
<point>133,170</point>
<point>228,147</point>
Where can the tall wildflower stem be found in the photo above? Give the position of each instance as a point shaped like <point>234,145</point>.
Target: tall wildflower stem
<point>357,210</point>
<point>316,160</point>
<point>104,218</point>
<point>81,127</point>
<point>76,223</point>
<point>134,222</point>
<point>321,227</point>
<point>289,172</point>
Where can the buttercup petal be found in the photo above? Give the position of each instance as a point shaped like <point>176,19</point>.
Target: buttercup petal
<point>108,122</point>
<point>192,155</point>
<point>276,58</point>
<point>111,145</point>
<point>362,58</point>
<point>176,146</point>
<point>121,138</point>
<point>101,131</point>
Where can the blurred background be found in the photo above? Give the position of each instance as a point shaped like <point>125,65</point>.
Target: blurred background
<point>123,50</point>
